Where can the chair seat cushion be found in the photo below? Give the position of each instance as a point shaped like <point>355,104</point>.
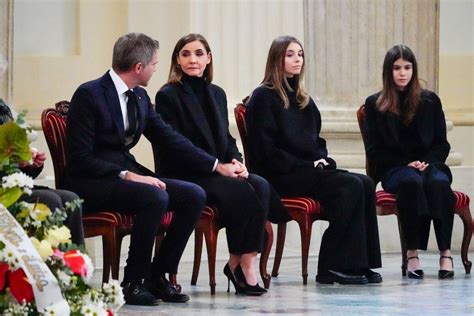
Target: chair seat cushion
<point>302,204</point>
<point>166,220</point>
<point>109,218</point>
<point>210,213</point>
<point>388,199</point>
<point>462,199</point>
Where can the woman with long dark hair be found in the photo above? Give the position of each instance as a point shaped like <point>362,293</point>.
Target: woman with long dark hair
<point>198,109</point>
<point>407,142</point>
<point>284,127</point>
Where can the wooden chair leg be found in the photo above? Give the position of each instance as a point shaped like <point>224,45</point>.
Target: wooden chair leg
<point>465,215</point>
<point>403,246</point>
<point>305,230</point>
<point>281,235</point>
<point>198,234</point>
<point>109,254</point>
<point>268,242</point>
<point>210,234</point>
<point>158,240</point>
<point>116,262</point>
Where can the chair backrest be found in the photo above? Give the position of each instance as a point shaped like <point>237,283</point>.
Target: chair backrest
<point>53,122</point>
<point>369,165</point>
<point>239,112</point>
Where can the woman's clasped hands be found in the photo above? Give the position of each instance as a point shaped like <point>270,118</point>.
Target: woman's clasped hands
<point>420,165</point>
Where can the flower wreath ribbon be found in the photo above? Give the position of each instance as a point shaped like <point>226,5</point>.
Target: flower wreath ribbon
<point>45,286</point>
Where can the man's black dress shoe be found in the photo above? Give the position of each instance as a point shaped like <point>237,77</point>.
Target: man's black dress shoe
<point>135,293</point>
<point>341,277</point>
<point>163,289</point>
<point>372,276</point>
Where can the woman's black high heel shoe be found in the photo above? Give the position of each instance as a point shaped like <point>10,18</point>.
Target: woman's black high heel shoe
<point>230,277</point>
<point>446,274</point>
<point>253,290</point>
<point>416,274</point>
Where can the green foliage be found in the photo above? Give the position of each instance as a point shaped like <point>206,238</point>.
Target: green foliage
<point>14,145</point>
<point>8,196</point>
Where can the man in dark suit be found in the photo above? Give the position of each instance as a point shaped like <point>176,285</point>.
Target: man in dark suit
<point>106,119</point>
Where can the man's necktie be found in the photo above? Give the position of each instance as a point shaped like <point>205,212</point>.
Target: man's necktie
<point>131,113</point>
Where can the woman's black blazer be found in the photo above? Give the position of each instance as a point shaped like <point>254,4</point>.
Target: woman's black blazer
<point>179,106</point>
<point>383,144</point>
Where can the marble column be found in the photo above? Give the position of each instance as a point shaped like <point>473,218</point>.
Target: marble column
<point>240,34</point>
<point>6,23</point>
<point>346,41</point>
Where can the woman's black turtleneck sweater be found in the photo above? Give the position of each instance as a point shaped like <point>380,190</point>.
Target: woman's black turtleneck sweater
<point>198,85</point>
<point>283,139</point>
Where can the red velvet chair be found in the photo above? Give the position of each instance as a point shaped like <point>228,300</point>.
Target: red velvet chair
<point>111,226</point>
<point>387,205</point>
<point>303,210</point>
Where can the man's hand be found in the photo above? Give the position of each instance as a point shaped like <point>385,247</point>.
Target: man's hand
<point>420,165</point>
<point>131,176</point>
<point>227,169</point>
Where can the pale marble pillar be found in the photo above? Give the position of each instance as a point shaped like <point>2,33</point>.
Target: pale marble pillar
<point>240,34</point>
<point>6,22</point>
<point>346,42</point>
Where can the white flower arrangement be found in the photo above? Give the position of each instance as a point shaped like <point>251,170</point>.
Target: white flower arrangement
<point>47,235</point>
<point>18,179</point>
<point>9,257</point>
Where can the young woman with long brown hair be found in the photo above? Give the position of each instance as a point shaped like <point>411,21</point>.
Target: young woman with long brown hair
<point>284,131</point>
<point>407,142</point>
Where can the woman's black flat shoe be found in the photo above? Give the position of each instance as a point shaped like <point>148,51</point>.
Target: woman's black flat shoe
<point>251,290</point>
<point>416,274</point>
<point>446,274</point>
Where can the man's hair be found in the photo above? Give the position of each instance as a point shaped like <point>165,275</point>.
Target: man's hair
<point>131,49</point>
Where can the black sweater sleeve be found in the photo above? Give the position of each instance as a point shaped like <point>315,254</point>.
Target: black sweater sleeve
<point>263,132</point>
<point>439,150</point>
<point>232,151</point>
<point>377,150</point>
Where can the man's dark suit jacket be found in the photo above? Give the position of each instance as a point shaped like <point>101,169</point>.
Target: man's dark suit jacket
<point>179,107</point>
<point>96,151</point>
<point>383,143</point>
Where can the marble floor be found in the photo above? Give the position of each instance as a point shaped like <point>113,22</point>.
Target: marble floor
<point>287,296</point>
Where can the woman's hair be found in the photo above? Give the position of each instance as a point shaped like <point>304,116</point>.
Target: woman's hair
<point>388,98</point>
<point>275,72</point>
<point>176,73</point>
